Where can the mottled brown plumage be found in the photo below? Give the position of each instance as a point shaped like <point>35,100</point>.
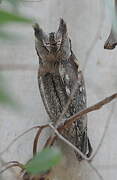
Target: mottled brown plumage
<point>58,75</point>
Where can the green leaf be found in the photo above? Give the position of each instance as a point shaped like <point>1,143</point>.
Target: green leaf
<point>6,17</point>
<point>8,36</point>
<point>5,97</point>
<point>43,161</point>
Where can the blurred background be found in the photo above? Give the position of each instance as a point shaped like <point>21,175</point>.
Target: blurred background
<point>89,25</point>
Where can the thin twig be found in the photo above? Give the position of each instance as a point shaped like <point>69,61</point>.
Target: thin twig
<point>36,139</point>
<point>103,135</point>
<point>48,142</point>
<point>11,164</point>
<point>11,170</point>
<point>77,150</point>
<point>68,122</point>
<point>97,106</point>
<point>68,142</point>
<point>14,140</point>
<point>96,171</point>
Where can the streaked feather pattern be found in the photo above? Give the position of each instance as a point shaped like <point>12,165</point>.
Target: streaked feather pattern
<point>58,75</point>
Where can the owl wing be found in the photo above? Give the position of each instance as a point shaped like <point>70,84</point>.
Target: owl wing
<point>73,81</point>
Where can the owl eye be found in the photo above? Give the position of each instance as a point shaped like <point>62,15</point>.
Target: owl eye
<point>47,44</point>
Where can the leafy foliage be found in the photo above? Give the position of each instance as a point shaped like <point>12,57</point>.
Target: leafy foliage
<point>43,161</point>
<point>6,36</point>
<point>49,157</point>
<point>5,97</point>
<point>6,17</point>
<point>11,17</point>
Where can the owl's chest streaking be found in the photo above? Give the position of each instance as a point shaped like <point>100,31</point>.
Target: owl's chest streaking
<point>58,83</point>
<point>57,88</point>
<point>60,80</point>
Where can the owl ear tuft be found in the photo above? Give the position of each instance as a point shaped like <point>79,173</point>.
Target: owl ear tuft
<point>36,28</point>
<point>62,26</point>
<point>38,31</point>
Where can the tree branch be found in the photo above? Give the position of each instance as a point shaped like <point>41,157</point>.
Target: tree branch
<point>77,150</point>
<point>68,122</point>
<point>97,106</point>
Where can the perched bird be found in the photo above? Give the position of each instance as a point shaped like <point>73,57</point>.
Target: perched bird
<point>59,76</point>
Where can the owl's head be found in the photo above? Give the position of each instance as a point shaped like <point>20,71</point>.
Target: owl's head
<point>54,46</point>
